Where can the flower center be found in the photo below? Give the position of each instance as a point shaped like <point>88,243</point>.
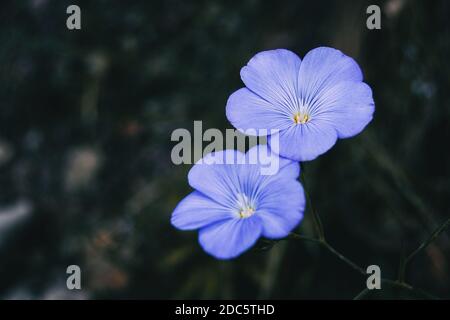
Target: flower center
<point>301,118</point>
<point>245,206</point>
<point>246,212</point>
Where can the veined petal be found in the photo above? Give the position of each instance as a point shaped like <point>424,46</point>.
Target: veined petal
<point>273,75</point>
<point>265,157</point>
<point>216,177</point>
<point>246,110</point>
<point>348,106</point>
<point>197,210</point>
<point>228,239</point>
<point>323,68</point>
<point>307,141</point>
<point>281,207</point>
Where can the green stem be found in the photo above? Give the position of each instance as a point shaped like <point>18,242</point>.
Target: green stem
<point>427,242</point>
<point>423,245</point>
<point>297,236</point>
<point>327,246</point>
<point>362,294</point>
<point>343,258</point>
<point>316,218</point>
<point>395,284</point>
<point>403,263</point>
<point>354,266</point>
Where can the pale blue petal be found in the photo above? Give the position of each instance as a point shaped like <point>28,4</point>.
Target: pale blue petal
<point>280,207</point>
<point>305,142</point>
<point>266,158</point>
<point>217,179</point>
<point>273,75</point>
<point>323,68</point>
<point>267,166</point>
<point>245,110</point>
<point>196,211</point>
<point>228,239</point>
<point>348,106</point>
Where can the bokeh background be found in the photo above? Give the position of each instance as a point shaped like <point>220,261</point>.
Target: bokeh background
<point>85,170</point>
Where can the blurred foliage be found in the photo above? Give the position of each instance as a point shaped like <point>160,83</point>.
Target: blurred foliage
<point>85,124</point>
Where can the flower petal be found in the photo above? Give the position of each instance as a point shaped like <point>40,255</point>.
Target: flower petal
<point>196,211</point>
<point>266,158</point>
<point>322,68</point>
<point>246,110</point>
<point>228,239</point>
<point>215,178</point>
<point>307,141</point>
<point>348,106</point>
<point>281,207</point>
<point>273,76</point>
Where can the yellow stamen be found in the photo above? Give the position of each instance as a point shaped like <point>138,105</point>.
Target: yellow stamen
<point>301,118</point>
<point>247,212</point>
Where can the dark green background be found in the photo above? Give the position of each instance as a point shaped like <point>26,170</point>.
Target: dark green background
<point>85,124</point>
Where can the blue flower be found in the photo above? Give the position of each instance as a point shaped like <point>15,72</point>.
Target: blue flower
<point>311,102</point>
<point>234,204</point>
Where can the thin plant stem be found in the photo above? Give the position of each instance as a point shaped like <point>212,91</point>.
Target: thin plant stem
<point>395,284</point>
<point>402,264</point>
<point>327,246</point>
<point>354,266</point>
<point>297,236</point>
<point>427,242</point>
<point>362,294</point>
<point>316,218</point>
<point>400,283</point>
<point>423,245</point>
<point>350,263</point>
